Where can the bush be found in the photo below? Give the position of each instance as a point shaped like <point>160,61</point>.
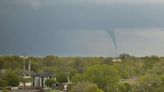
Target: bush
<point>3,83</point>
<point>86,87</point>
<point>12,80</point>
<point>50,82</point>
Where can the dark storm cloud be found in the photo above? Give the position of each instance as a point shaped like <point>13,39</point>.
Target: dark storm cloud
<point>40,27</point>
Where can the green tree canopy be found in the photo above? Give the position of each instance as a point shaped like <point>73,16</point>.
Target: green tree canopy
<point>104,76</point>
<point>86,87</point>
<point>12,79</point>
<point>50,82</point>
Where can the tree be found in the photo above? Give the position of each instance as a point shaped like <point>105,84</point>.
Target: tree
<point>61,77</point>
<point>157,69</point>
<point>77,78</point>
<point>123,87</point>
<point>12,80</point>
<point>1,63</point>
<point>86,87</point>
<point>104,76</point>
<point>3,83</point>
<point>150,82</point>
<point>50,82</point>
<point>124,56</point>
<point>108,60</point>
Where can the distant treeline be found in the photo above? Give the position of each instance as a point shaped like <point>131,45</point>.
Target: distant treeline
<point>132,74</point>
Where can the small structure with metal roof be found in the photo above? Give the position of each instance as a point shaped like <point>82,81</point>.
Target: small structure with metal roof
<point>39,79</point>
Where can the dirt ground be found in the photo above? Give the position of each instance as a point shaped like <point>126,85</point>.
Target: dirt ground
<point>25,90</point>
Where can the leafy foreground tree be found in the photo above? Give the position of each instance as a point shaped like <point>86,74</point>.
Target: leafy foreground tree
<point>61,77</point>
<point>12,80</point>
<point>50,82</point>
<point>151,83</point>
<point>105,76</point>
<point>86,87</point>
<point>77,78</point>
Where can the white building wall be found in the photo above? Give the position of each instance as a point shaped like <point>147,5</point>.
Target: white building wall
<point>40,82</point>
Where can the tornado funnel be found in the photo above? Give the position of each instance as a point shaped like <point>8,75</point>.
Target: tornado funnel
<point>112,35</point>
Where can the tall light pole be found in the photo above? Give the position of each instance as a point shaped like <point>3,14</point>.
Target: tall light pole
<point>24,66</point>
<point>29,67</point>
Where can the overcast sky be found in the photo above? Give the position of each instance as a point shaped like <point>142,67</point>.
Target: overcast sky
<point>78,27</point>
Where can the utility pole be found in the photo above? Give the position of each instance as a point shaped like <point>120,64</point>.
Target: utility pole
<point>24,70</point>
<point>29,67</point>
<point>24,66</point>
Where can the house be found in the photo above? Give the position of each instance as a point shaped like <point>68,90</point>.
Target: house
<point>39,79</point>
<point>116,60</point>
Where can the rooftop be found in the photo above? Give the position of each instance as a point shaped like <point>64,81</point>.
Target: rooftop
<point>45,74</point>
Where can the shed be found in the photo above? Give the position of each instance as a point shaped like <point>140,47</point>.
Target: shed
<point>39,79</point>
